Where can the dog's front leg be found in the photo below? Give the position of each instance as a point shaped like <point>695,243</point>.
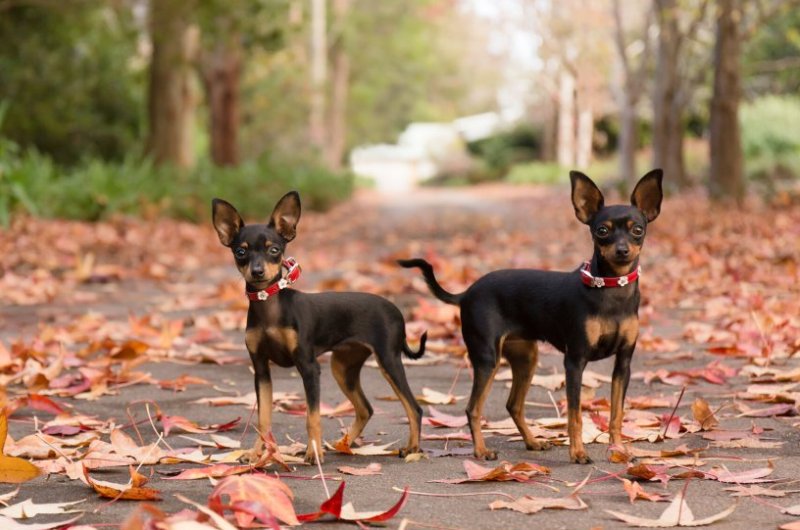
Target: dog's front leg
<point>310,371</point>
<point>574,375</point>
<point>263,380</point>
<point>619,387</point>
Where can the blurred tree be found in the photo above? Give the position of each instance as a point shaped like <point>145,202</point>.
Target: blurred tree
<point>340,86</point>
<point>736,21</point>
<point>72,78</point>
<point>231,35</point>
<point>633,79</point>
<point>319,74</point>
<point>576,52</point>
<point>172,92</point>
<point>678,71</point>
<point>771,61</point>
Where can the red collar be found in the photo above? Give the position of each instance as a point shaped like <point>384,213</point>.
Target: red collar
<point>614,281</point>
<point>293,273</point>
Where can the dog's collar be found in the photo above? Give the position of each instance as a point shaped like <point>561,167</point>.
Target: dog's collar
<point>292,274</point>
<point>601,281</point>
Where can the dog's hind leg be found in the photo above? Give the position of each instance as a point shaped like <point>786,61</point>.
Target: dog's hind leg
<point>522,356</point>
<point>346,365</point>
<point>394,372</point>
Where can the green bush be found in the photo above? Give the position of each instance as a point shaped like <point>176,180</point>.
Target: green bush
<point>32,183</point>
<point>537,173</point>
<point>769,137</point>
<point>501,151</point>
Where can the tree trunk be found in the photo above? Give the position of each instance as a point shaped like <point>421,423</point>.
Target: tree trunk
<point>337,131</point>
<point>172,91</point>
<point>222,68</point>
<point>627,140</point>
<point>726,180</point>
<point>583,154</point>
<point>565,148</point>
<point>319,60</point>
<point>548,149</point>
<point>668,109</point>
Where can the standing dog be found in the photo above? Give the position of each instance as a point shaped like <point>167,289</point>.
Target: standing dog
<point>588,314</point>
<point>290,328</point>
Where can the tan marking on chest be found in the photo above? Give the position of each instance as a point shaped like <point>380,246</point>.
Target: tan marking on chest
<point>598,327</point>
<point>252,338</point>
<point>287,337</point>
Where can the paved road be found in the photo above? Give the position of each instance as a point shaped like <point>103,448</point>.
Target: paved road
<point>384,225</point>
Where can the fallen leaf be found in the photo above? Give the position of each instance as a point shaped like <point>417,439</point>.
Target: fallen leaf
<point>215,471</point>
<point>636,491</point>
<point>676,514</point>
<point>128,491</point>
<point>13,470</point>
<point>334,507</point>
<point>7,523</point>
<point>529,504</point>
<point>440,419</point>
<point>505,471</point>
<point>703,415</point>
<point>758,491</point>
<point>274,496</point>
<point>27,509</point>
<point>371,469</point>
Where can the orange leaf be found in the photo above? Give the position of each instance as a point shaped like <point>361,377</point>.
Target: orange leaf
<point>270,493</point>
<point>128,492</point>
<point>13,470</point>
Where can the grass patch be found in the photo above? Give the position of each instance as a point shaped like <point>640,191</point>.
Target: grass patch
<point>32,183</point>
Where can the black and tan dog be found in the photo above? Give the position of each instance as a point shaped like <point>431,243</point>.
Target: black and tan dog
<point>590,313</point>
<point>290,328</point>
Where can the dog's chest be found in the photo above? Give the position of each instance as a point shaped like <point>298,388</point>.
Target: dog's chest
<point>605,336</point>
<point>276,342</point>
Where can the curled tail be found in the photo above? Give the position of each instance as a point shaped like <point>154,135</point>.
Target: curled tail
<point>411,354</point>
<point>427,272</point>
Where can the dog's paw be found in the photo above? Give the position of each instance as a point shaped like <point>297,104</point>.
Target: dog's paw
<point>405,451</point>
<point>486,454</point>
<point>538,445</point>
<point>580,458</point>
<point>311,457</point>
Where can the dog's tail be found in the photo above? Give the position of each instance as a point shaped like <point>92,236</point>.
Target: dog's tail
<point>427,272</point>
<point>411,354</point>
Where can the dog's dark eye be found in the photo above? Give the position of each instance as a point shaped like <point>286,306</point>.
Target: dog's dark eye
<point>239,252</point>
<point>602,231</point>
<point>637,230</point>
<point>274,251</point>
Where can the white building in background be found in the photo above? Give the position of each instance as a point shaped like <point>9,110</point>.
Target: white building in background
<point>423,151</point>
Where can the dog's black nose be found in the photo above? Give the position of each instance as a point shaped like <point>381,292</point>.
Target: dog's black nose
<point>257,272</point>
<point>623,251</point>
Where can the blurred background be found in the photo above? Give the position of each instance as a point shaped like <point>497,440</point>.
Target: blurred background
<point>153,107</point>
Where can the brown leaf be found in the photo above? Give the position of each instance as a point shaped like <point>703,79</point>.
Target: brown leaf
<point>505,471</point>
<point>703,415</point>
<point>128,491</point>
<point>636,491</point>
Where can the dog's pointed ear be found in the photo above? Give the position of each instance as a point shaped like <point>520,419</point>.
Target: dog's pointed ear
<point>647,194</point>
<point>227,221</point>
<point>587,199</point>
<point>285,216</point>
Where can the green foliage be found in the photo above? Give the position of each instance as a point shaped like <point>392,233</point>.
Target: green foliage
<point>70,78</point>
<point>770,59</point>
<point>537,173</point>
<point>503,150</point>
<point>769,137</point>
<point>32,183</point>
